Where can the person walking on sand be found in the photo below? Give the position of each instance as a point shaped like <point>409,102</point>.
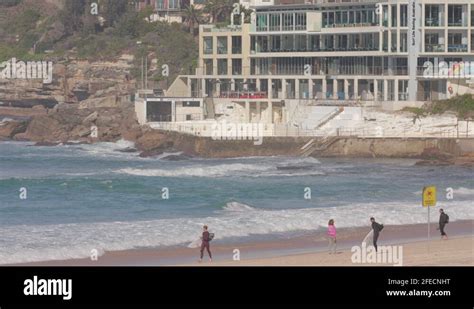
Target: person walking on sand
<point>332,236</point>
<point>377,228</point>
<point>205,238</point>
<point>443,219</point>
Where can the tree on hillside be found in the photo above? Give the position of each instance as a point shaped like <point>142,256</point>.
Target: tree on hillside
<point>114,9</point>
<point>72,15</point>
<point>219,10</point>
<point>8,3</point>
<point>192,17</point>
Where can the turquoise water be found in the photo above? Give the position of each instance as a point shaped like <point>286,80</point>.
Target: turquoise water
<point>88,197</point>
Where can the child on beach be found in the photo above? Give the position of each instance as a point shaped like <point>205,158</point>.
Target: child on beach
<point>206,238</point>
<point>332,236</point>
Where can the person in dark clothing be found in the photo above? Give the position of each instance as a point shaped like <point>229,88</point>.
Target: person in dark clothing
<point>205,243</point>
<point>377,228</point>
<point>443,219</point>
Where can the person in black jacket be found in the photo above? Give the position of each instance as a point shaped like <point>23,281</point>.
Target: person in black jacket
<point>443,219</point>
<point>377,228</point>
<point>205,243</point>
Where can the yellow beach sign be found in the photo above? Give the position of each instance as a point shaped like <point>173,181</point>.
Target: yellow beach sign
<point>429,196</point>
<point>429,200</point>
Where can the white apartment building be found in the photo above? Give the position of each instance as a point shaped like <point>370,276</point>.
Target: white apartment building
<point>293,54</point>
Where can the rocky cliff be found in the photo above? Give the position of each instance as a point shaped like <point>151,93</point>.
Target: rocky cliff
<point>83,96</point>
<point>92,84</point>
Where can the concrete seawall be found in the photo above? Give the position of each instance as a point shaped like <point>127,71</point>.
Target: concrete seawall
<point>397,147</point>
<point>342,147</point>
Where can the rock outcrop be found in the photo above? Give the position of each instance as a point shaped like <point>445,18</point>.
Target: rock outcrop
<point>92,84</point>
<point>11,128</point>
<point>68,122</point>
<point>436,157</point>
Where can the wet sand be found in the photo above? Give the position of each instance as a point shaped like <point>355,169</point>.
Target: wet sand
<point>305,250</point>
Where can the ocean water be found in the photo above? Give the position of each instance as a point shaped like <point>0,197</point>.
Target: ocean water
<point>86,197</point>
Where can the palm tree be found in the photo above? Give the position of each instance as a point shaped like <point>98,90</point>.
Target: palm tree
<point>193,17</point>
<point>219,10</point>
<point>211,7</point>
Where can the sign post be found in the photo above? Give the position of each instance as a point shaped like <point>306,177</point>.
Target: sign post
<point>429,200</point>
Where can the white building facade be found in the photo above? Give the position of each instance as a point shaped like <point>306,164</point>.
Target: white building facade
<point>295,55</point>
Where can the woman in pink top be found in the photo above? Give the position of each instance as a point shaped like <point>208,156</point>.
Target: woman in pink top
<point>332,236</point>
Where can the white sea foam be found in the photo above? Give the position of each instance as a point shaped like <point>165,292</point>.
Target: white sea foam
<point>106,148</point>
<point>236,206</point>
<point>462,191</point>
<point>227,167</point>
<point>65,241</point>
<point>197,171</point>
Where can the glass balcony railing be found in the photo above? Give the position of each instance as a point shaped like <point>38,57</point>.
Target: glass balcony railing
<point>318,49</point>
<point>403,96</point>
<point>434,48</point>
<point>348,25</point>
<point>455,23</point>
<point>457,48</point>
<point>432,22</point>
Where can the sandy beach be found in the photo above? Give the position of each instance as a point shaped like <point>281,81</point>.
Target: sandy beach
<point>308,250</point>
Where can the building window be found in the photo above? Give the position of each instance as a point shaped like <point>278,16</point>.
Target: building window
<point>222,66</point>
<point>262,22</point>
<point>276,43</point>
<point>455,15</point>
<point>288,21</point>
<point>300,42</point>
<point>222,45</point>
<point>431,43</point>
<point>208,48</point>
<point>403,42</point>
<point>300,21</point>
<point>160,4</point>
<point>455,42</point>
<point>432,15</point>
<point>403,15</point>
<point>236,66</point>
<point>472,15</point>
<point>173,4</point>
<point>275,22</point>
<point>394,16</point>
<point>314,43</point>
<point>236,44</point>
<point>208,67</point>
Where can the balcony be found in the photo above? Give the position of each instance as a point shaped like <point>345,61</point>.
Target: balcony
<point>455,23</point>
<point>349,25</point>
<point>243,94</point>
<point>319,49</point>
<point>432,22</point>
<point>459,48</point>
<point>433,48</point>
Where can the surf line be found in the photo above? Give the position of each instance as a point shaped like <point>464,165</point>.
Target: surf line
<point>48,287</point>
